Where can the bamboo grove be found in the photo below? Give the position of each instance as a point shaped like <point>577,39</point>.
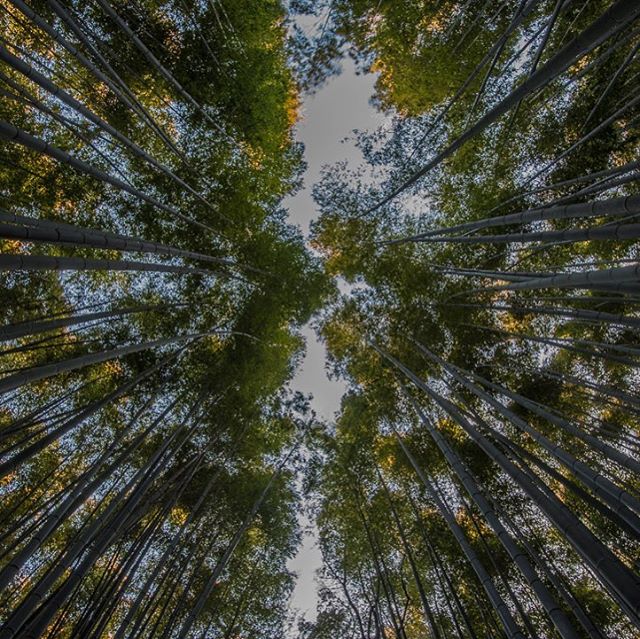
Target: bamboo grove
<point>482,477</point>
<point>151,297</point>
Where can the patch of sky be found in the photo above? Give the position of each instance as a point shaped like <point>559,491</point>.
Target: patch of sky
<point>328,120</point>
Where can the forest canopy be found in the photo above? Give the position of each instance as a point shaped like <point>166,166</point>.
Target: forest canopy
<point>481,478</point>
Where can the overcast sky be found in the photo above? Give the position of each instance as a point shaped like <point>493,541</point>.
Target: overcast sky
<point>327,118</point>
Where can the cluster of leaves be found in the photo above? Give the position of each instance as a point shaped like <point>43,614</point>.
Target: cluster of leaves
<point>458,373</point>
<point>147,467</point>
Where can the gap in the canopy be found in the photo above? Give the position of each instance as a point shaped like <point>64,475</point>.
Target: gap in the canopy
<point>328,120</point>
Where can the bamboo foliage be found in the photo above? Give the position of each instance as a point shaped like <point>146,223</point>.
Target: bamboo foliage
<point>481,479</point>
<point>147,480</point>
<point>489,340</point>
